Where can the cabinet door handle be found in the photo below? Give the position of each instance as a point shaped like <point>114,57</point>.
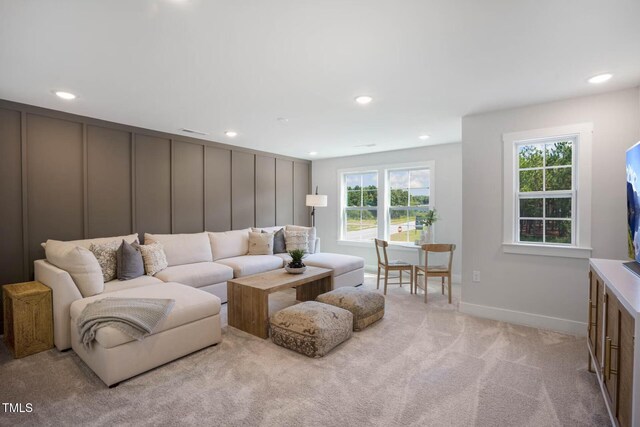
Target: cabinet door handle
<point>607,359</point>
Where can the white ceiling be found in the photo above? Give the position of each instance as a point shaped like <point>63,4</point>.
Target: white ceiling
<point>240,64</point>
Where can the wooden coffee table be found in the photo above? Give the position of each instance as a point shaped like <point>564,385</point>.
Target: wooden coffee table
<point>248,297</point>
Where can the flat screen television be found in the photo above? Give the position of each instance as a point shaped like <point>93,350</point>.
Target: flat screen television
<point>633,208</point>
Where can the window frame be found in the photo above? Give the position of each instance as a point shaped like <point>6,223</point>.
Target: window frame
<point>545,194</point>
<point>383,195</point>
<point>581,136</point>
<point>344,208</point>
<point>387,205</point>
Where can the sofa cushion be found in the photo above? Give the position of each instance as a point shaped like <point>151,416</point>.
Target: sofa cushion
<point>129,263</point>
<point>79,262</point>
<point>260,243</point>
<point>153,258</point>
<point>196,275</point>
<point>190,305</point>
<point>183,248</point>
<point>311,236</point>
<point>339,263</point>
<point>252,264</point>
<point>105,253</point>
<point>229,244</point>
<point>119,285</point>
<point>86,243</point>
<point>279,243</point>
<point>297,240</point>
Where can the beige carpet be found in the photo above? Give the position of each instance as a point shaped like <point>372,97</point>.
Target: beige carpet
<point>420,365</point>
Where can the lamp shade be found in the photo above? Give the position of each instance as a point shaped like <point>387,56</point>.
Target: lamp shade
<point>317,200</point>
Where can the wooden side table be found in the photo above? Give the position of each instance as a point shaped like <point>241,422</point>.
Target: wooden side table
<point>28,318</point>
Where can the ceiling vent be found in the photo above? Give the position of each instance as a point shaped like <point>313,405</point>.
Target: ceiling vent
<point>195,132</point>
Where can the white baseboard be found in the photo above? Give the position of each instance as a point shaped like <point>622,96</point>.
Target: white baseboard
<point>527,319</point>
<point>372,269</point>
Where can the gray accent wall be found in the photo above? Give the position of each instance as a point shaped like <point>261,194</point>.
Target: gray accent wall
<point>67,177</point>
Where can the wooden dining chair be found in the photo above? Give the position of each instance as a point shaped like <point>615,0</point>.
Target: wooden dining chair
<point>384,263</point>
<point>442,271</point>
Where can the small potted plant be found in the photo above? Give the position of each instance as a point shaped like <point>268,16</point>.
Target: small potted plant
<point>296,266</point>
<point>426,221</point>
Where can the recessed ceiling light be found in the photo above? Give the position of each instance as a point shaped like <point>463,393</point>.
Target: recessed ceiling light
<point>64,95</point>
<point>423,137</point>
<point>600,78</point>
<point>363,99</point>
<point>313,153</point>
<point>231,133</point>
<point>283,120</point>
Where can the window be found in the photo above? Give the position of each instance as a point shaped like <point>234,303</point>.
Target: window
<point>547,191</point>
<point>388,202</point>
<point>360,206</point>
<point>408,195</point>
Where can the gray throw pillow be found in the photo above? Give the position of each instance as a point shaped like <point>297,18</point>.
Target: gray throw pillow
<point>129,261</point>
<point>279,245</point>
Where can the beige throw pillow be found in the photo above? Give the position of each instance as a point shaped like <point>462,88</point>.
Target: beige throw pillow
<point>260,243</point>
<point>311,236</point>
<point>296,240</point>
<point>154,258</point>
<point>80,263</point>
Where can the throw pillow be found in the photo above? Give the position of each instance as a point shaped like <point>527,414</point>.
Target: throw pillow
<point>153,258</point>
<point>129,263</point>
<point>105,253</point>
<point>311,235</point>
<point>80,263</point>
<point>296,240</point>
<point>260,243</point>
<point>279,244</point>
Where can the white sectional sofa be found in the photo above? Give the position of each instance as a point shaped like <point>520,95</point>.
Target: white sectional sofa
<point>204,261</point>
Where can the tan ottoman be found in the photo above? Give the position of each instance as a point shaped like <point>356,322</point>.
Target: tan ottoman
<point>311,328</point>
<point>367,307</point>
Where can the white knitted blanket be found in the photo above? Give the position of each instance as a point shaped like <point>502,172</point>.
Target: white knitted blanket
<point>136,317</point>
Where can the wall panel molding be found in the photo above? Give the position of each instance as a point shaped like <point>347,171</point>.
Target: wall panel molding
<point>60,167</point>
<point>23,190</point>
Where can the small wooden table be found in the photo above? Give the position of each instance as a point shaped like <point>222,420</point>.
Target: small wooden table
<point>248,297</point>
<point>28,318</point>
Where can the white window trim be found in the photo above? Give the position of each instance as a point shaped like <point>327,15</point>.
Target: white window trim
<point>581,248</point>
<point>383,194</point>
<point>387,193</point>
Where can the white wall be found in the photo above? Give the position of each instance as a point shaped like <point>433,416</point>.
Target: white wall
<point>448,198</point>
<point>538,290</point>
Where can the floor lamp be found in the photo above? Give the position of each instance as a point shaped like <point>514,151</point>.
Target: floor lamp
<point>316,201</point>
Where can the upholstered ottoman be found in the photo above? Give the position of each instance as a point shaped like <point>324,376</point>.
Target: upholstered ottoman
<point>311,328</point>
<point>367,307</point>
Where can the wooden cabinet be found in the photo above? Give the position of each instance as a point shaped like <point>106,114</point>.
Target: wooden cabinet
<point>614,316</point>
